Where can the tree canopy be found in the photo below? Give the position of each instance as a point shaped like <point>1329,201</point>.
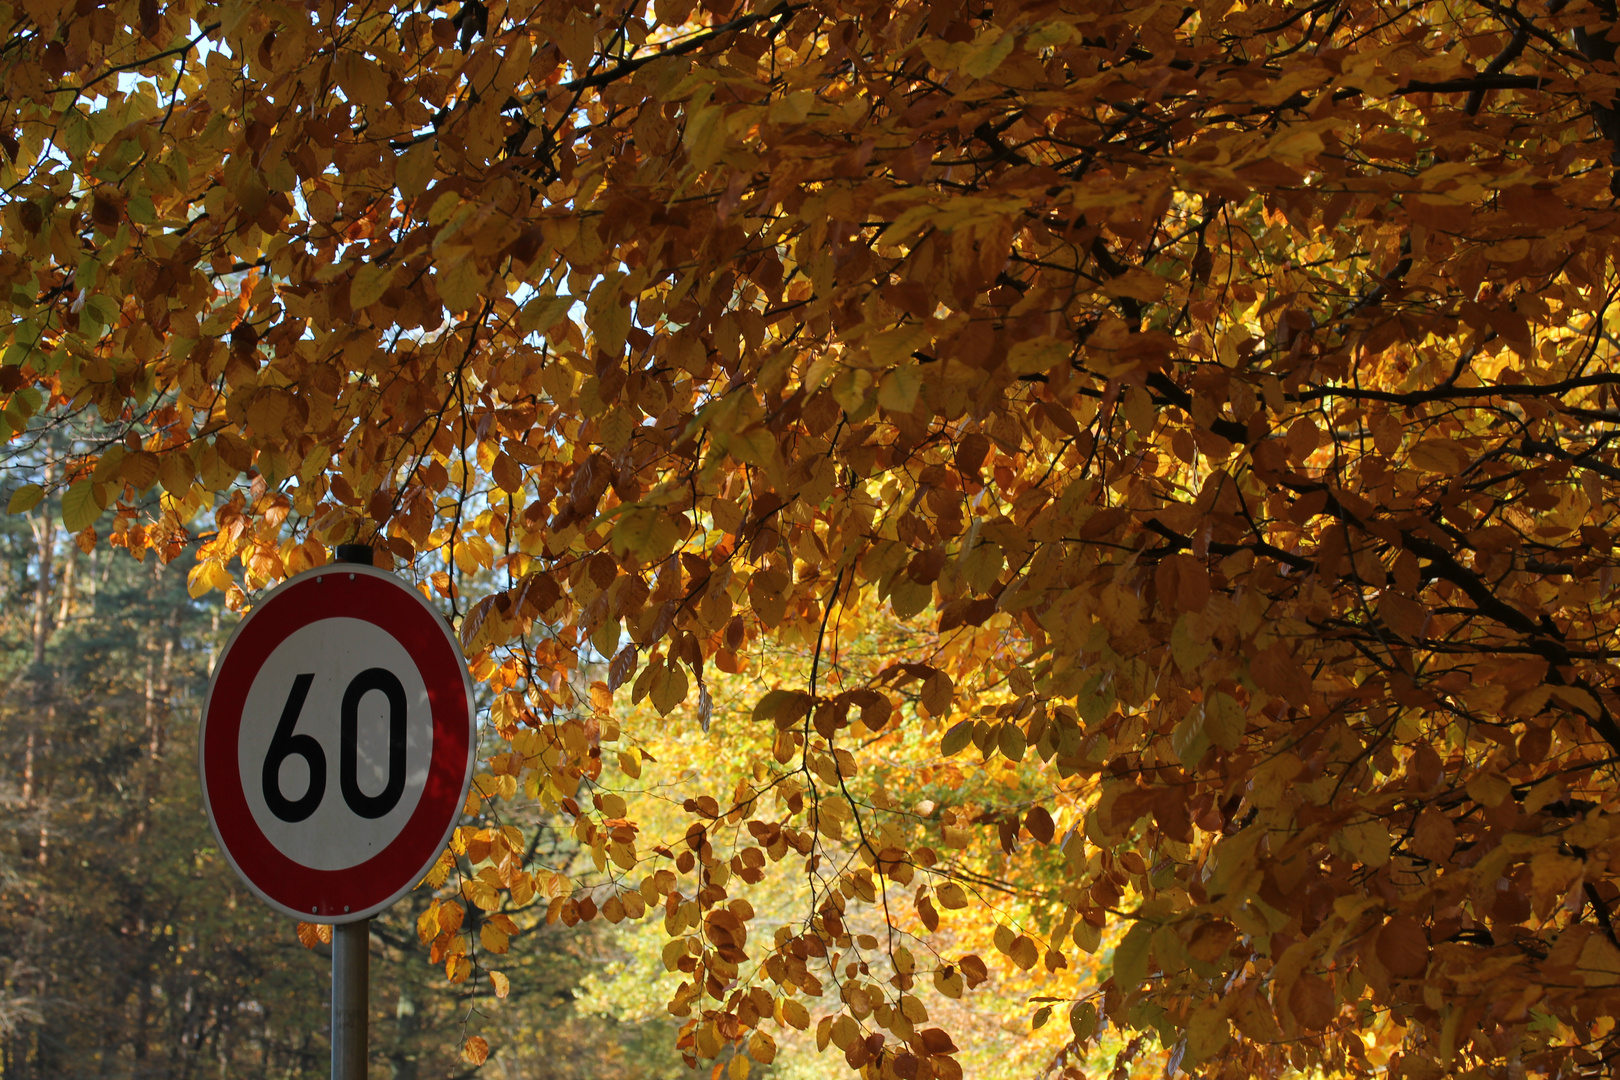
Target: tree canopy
<point>1179,437</point>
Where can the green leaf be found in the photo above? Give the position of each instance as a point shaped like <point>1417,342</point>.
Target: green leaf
<point>1131,957</point>
<point>647,532</point>
<point>79,507</point>
<point>1083,1019</point>
<point>987,53</point>
<point>25,499</point>
<point>544,312</point>
<point>29,399</point>
<point>1188,652</point>
<point>1188,740</point>
<point>607,313</point>
<point>1224,720</point>
<point>370,282</point>
<point>898,389</point>
<point>1011,741</point>
<point>778,702</point>
<point>957,738</point>
<point>668,689</point>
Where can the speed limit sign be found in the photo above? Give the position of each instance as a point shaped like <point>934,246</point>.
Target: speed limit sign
<point>337,743</point>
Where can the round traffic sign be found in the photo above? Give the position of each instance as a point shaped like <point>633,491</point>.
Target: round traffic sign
<point>337,743</point>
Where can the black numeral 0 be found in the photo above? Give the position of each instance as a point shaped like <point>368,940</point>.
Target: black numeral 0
<point>284,744</point>
<point>372,806</point>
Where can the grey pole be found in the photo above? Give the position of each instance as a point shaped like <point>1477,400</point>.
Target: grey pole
<point>351,980</point>
<point>351,955</point>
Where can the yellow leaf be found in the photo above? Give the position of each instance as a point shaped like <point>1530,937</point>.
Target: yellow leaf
<point>476,1050</point>
<point>1295,147</point>
<point>894,347</point>
<point>363,82</point>
<point>1488,789</point>
<point>414,168</point>
<point>1207,1031</point>
<point>1577,699</point>
<point>1188,740</point>
<point>427,924</point>
<point>493,938</point>
<point>1599,962</point>
<point>1185,648</point>
<point>795,1014</point>
<point>1139,284</point>
<point>175,470</point>
<point>577,40</point>
<point>503,985</point>
<point>791,108</point>
<point>1255,1019</point>
<point>1036,355</point>
<point>1439,456</point>
<point>898,389</point>
<point>269,411</point>
<point>1366,842</point>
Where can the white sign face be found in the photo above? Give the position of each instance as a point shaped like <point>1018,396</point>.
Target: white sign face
<point>337,743</point>
<point>368,737</point>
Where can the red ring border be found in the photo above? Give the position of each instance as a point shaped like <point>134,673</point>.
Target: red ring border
<point>377,597</point>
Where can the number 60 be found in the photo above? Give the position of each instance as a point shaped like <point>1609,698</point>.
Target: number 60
<point>284,744</point>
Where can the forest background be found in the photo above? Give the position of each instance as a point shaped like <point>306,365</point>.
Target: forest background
<point>1035,538</point>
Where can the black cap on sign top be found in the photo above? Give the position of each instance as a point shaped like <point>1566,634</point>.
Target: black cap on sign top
<point>355,553</point>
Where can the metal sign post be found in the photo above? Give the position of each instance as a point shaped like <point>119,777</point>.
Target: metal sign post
<point>351,985</point>
<point>351,955</point>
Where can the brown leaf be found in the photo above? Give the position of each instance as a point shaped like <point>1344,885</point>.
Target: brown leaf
<point>926,913</point>
<point>622,667</point>
<point>1278,673</point>
<point>1403,947</point>
<point>1406,618</point>
<point>966,612</point>
<point>1211,940</point>
<point>971,450</point>
<point>1311,1001</point>
<point>1040,825</point>
<point>1434,837</point>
